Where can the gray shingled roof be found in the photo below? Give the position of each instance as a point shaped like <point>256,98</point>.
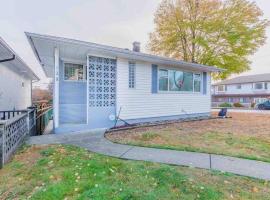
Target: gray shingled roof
<point>246,79</point>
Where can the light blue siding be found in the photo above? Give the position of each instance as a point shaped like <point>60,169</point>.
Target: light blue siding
<point>73,113</point>
<point>99,117</point>
<point>72,100</point>
<point>72,92</point>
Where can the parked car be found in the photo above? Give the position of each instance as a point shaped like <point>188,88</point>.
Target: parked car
<point>264,106</point>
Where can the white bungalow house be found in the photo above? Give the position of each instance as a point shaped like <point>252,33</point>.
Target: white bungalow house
<point>95,84</point>
<point>15,80</point>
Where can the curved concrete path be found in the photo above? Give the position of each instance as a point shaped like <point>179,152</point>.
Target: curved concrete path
<point>96,142</point>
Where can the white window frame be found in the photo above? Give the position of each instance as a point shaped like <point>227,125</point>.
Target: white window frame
<point>194,82</point>
<point>223,86</point>
<point>254,86</point>
<point>167,80</point>
<point>74,63</point>
<point>241,100</point>
<point>267,85</point>
<point>133,64</point>
<point>238,86</point>
<point>177,92</point>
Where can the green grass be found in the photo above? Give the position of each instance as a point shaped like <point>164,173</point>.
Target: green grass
<point>242,146</point>
<point>66,172</point>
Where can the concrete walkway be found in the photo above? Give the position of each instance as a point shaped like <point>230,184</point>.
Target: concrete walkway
<point>95,142</point>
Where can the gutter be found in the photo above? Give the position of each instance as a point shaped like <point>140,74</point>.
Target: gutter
<point>8,59</point>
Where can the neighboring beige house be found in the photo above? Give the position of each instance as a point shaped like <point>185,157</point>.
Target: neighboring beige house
<point>243,89</point>
<point>15,80</point>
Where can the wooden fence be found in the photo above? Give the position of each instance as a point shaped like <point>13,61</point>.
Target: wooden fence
<point>43,117</point>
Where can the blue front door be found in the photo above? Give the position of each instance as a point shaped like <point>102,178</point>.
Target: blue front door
<point>102,91</point>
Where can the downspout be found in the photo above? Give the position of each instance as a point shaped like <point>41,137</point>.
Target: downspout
<point>8,59</point>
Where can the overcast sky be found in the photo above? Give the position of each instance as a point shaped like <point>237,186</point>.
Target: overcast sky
<point>112,22</point>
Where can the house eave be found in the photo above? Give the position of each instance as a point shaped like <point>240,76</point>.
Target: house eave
<point>117,52</point>
<point>36,53</point>
<point>21,66</point>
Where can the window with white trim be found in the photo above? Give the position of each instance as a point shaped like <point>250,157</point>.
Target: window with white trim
<point>258,86</point>
<point>163,80</point>
<point>175,80</point>
<point>238,86</point>
<point>197,82</point>
<point>131,74</point>
<point>74,72</point>
<point>221,88</point>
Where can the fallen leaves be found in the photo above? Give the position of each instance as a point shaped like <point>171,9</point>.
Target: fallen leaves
<point>255,190</point>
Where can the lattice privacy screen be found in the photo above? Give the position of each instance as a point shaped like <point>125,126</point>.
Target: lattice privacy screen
<point>102,82</point>
<point>13,134</point>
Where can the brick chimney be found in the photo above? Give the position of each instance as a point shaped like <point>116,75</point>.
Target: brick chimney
<point>136,46</point>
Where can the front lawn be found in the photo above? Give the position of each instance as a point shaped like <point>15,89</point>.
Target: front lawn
<point>244,135</point>
<point>66,172</point>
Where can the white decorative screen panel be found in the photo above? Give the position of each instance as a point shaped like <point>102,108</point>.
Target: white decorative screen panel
<point>102,91</point>
<point>102,82</point>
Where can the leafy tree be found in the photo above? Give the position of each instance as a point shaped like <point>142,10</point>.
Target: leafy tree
<point>222,33</point>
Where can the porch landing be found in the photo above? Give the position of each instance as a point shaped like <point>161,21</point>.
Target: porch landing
<point>96,142</point>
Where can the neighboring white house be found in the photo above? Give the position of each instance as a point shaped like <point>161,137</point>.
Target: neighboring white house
<point>243,89</point>
<point>15,80</point>
<point>94,83</point>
